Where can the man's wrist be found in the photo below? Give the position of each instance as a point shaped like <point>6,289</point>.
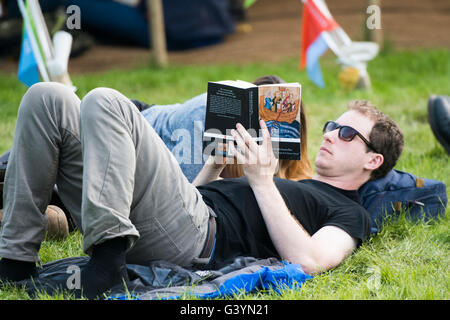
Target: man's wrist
<point>262,183</point>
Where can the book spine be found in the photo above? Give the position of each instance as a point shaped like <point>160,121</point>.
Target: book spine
<point>253,110</point>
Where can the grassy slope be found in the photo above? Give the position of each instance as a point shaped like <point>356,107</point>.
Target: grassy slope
<point>408,260</point>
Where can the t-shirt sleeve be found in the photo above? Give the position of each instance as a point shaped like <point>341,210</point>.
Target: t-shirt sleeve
<point>352,219</point>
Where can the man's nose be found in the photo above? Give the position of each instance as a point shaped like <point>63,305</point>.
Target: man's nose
<point>331,136</point>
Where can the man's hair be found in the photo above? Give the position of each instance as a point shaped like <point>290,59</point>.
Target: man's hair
<point>386,137</point>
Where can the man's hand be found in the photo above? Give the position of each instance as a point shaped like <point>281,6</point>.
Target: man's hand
<point>259,162</point>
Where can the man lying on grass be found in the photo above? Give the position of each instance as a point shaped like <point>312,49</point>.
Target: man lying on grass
<point>130,199</point>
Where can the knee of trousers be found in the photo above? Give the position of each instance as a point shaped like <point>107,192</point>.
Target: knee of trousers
<point>41,95</point>
<point>97,102</point>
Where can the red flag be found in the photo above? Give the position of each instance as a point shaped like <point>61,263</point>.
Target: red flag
<point>314,22</point>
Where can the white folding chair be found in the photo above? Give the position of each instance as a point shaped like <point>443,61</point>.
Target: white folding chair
<point>350,53</point>
<point>52,57</point>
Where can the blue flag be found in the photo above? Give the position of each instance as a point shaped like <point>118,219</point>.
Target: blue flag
<point>316,49</point>
<point>28,72</point>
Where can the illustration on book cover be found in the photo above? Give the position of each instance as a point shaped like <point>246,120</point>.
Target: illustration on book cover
<point>279,107</point>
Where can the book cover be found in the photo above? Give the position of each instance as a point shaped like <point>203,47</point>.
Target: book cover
<point>230,102</point>
<point>279,107</point>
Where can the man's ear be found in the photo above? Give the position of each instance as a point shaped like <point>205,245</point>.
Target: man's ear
<point>375,161</point>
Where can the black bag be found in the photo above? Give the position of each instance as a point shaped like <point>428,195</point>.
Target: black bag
<point>398,190</point>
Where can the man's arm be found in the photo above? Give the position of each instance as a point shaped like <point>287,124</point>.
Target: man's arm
<point>324,250</point>
<point>327,248</point>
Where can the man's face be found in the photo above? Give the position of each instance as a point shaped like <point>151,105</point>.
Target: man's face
<point>339,158</point>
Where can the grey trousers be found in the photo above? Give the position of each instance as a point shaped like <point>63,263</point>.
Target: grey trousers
<point>113,172</point>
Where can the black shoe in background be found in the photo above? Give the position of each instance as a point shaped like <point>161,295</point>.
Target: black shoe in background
<point>439,119</point>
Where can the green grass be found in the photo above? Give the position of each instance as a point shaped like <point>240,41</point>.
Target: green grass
<point>406,260</point>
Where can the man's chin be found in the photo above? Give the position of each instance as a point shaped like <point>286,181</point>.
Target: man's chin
<point>321,169</point>
<point>321,161</point>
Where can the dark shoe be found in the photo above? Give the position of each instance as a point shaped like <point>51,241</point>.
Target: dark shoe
<point>14,270</point>
<point>105,269</point>
<point>96,280</point>
<point>439,119</point>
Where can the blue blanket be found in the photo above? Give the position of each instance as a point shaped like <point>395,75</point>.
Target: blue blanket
<point>164,280</point>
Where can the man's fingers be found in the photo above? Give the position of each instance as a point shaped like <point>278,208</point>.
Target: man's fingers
<point>246,137</point>
<point>267,141</point>
<point>240,141</point>
<point>239,156</point>
<point>262,124</point>
<point>251,152</point>
<point>245,141</point>
<point>249,156</point>
<point>264,130</point>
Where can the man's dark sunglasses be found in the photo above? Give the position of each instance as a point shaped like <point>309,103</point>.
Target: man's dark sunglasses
<point>346,133</point>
